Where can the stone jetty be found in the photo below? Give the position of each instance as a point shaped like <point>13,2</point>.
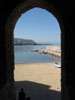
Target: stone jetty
<point>52,50</point>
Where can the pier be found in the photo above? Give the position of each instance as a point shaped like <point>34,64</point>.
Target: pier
<point>51,50</point>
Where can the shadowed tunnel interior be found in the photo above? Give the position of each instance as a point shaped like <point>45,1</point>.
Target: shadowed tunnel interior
<point>10,11</point>
<point>37,91</point>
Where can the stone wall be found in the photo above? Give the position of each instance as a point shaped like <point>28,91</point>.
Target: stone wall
<point>10,11</point>
<point>54,48</point>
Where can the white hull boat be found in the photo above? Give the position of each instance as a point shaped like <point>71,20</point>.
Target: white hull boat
<point>57,64</point>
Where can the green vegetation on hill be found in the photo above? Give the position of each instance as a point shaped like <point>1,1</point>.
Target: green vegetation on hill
<point>18,41</point>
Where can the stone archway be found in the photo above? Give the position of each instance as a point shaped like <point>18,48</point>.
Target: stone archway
<point>10,24</point>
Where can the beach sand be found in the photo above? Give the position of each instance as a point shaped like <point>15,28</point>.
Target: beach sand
<point>41,81</point>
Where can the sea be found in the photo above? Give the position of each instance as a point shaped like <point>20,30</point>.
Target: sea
<point>24,54</point>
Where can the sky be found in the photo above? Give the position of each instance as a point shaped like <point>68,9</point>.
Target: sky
<point>39,25</point>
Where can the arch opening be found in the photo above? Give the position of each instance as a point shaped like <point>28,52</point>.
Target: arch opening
<point>33,29</point>
<point>11,25</point>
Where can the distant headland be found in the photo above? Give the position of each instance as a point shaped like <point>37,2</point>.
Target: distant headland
<point>20,41</point>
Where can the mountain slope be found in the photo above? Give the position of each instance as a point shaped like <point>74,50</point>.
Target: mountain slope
<point>18,41</point>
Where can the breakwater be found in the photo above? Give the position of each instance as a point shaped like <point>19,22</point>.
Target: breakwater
<point>52,50</point>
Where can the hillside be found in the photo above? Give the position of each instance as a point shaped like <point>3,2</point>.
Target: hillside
<point>18,41</point>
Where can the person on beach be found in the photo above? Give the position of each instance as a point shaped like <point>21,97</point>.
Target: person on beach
<point>22,95</point>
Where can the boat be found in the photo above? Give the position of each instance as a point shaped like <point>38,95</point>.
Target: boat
<point>35,50</point>
<point>57,64</point>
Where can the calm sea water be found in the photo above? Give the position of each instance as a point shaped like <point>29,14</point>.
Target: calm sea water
<point>24,54</point>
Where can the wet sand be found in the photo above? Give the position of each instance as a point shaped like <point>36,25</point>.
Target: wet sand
<point>41,81</point>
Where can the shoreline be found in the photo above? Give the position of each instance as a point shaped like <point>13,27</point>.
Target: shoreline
<point>32,63</point>
<point>38,80</point>
<point>29,71</point>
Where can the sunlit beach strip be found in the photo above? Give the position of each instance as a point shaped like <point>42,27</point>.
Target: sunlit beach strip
<point>38,79</point>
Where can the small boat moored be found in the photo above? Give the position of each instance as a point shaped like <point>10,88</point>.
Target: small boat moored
<point>57,64</point>
<point>35,50</point>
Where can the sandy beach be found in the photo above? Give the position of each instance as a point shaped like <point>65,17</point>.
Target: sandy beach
<point>41,81</point>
